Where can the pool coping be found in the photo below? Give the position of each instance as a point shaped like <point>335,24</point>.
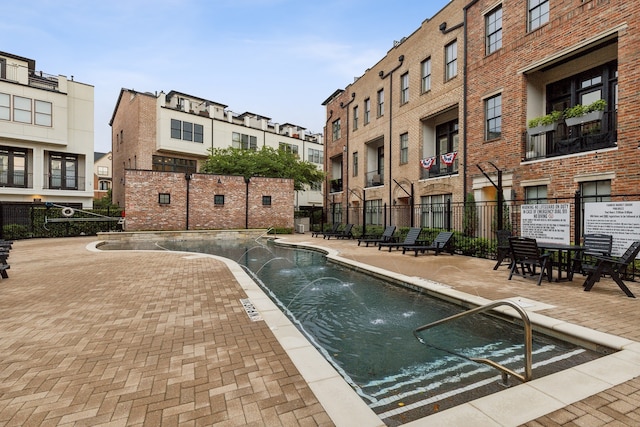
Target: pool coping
<point>542,396</point>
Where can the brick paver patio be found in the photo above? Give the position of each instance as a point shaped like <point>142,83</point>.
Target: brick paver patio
<point>153,338</point>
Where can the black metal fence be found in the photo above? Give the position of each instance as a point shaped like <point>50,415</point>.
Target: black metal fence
<point>29,220</point>
<point>474,223</point>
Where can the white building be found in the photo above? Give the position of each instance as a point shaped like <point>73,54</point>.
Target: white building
<point>46,136</point>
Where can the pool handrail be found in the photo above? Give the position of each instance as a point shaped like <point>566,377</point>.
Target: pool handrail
<point>528,375</point>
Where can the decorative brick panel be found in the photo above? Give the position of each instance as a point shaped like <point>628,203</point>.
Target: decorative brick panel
<point>144,212</point>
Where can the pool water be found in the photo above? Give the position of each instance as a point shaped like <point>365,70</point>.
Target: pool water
<point>364,328</point>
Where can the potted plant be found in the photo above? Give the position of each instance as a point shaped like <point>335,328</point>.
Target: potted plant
<point>543,124</point>
<point>580,114</point>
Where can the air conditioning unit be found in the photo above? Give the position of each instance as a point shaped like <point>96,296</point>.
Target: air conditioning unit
<point>301,228</point>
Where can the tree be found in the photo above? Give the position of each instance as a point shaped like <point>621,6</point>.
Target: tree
<point>267,162</point>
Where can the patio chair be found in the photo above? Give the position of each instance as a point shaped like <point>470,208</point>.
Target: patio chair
<point>439,244</point>
<point>503,250</point>
<point>345,233</point>
<point>527,256</point>
<point>334,229</point>
<point>594,245</point>
<point>387,236</point>
<point>615,267</point>
<point>410,239</point>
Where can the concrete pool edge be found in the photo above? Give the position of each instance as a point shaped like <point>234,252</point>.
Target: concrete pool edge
<point>540,397</point>
<point>543,395</point>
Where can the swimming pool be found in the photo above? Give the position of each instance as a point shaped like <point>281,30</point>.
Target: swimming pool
<point>367,335</point>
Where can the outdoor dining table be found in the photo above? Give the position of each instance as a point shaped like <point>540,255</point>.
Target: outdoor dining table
<point>566,259</point>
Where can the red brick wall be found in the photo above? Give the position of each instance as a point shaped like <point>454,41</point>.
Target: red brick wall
<point>143,212</point>
<point>571,24</point>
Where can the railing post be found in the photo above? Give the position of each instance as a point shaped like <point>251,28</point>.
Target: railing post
<point>577,226</point>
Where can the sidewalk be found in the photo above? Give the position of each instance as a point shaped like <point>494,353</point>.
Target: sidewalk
<point>158,338</point>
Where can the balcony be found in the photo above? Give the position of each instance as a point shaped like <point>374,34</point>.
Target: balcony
<point>335,185</point>
<point>19,74</point>
<point>560,142</point>
<point>439,168</point>
<point>374,178</point>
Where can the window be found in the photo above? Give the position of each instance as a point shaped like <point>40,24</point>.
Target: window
<point>104,185</point>
<point>367,111</point>
<point>13,167</point>
<point>246,142</point>
<point>404,148</point>
<point>373,212</point>
<point>43,113</point>
<point>173,164</point>
<point>21,109</point>
<point>426,75</point>
<point>446,142</point>
<point>289,148</point>
<point>538,13</point>
<point>335,126</point>
<point>596,191</point>
<point>433,211</point>
<point>164,198</point>
<point>315,156</point>
<point>356,116</point>
<point>380,102</point>
<point>355,163</point>
<point>266,200</point>
<point>451,58</point>
<point>176,129</point>
<point>5,107</point>
<point>315,186</point>
<point>493,30</point>
<point>535,195</point>
<point>63,171</point>
<point>404,88</point>
<point>218,199</point>
<point>103,170</point>
<point>187,131</point>
<point>493,117</point>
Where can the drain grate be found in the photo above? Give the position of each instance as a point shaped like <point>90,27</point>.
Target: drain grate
<point>252,312</point>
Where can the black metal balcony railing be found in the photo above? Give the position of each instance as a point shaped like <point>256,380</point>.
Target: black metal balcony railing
<point>438,168</point>
<point>374,178</point>
<point>68,182</point>
<point>555,143</point>
<point>336,185</point>
<point>42,80</point>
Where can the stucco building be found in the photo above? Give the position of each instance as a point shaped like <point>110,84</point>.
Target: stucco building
<point>46,135</point>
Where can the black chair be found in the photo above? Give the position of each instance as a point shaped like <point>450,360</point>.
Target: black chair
<point>527,256</point>
<point>503,250</point>
<point>595,245</point>
<point>439,244</point>
<point>387,236</point>
<point>615,267</point>
<point>334,229</point>
<point>410,239</point>
<point>345,233</point>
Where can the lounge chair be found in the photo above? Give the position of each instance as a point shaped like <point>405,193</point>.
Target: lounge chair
<point>615,267</point>
<point>410,239</point>
<point>387,236</point>
<point>345,233</point>
<point>439,244</point>
<point>334,229</point>
<point>527,256</point>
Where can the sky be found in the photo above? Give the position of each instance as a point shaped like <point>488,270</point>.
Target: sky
<point>276,58</point>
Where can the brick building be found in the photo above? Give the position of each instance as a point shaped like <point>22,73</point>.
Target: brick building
<point>386,135</point>
<point>553,55</point>
<point>173,132</point>
<point>170,201</point>
<point>406,108</point>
